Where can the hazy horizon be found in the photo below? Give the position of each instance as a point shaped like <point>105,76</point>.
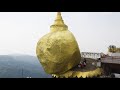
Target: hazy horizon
<point>94,31</point>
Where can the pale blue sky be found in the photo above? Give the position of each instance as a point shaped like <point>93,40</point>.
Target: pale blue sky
<point>94,31</point>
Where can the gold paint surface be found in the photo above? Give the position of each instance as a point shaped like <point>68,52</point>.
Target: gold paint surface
<point>79,74</point>
<point>58,50</point>
<point>113,49</point>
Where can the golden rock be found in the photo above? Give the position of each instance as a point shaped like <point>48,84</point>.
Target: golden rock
<point>58,50</point>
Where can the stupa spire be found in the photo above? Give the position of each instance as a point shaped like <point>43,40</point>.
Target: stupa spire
<point>58,23</point>
<point>59,20</point>
<point>59,15</point>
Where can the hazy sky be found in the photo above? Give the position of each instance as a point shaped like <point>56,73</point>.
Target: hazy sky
<point>94,31</point>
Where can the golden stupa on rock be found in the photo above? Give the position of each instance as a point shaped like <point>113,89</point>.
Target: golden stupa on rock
<point>58,51</point>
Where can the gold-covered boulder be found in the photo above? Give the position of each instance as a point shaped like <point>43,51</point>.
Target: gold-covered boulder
<point>58,50</point>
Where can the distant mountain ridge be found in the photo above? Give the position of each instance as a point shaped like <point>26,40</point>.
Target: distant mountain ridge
<point>21,66</point>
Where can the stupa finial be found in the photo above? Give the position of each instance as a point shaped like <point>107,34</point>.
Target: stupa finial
<point>59,17</point>
<point>59,20</point>
<point>58,23</point>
